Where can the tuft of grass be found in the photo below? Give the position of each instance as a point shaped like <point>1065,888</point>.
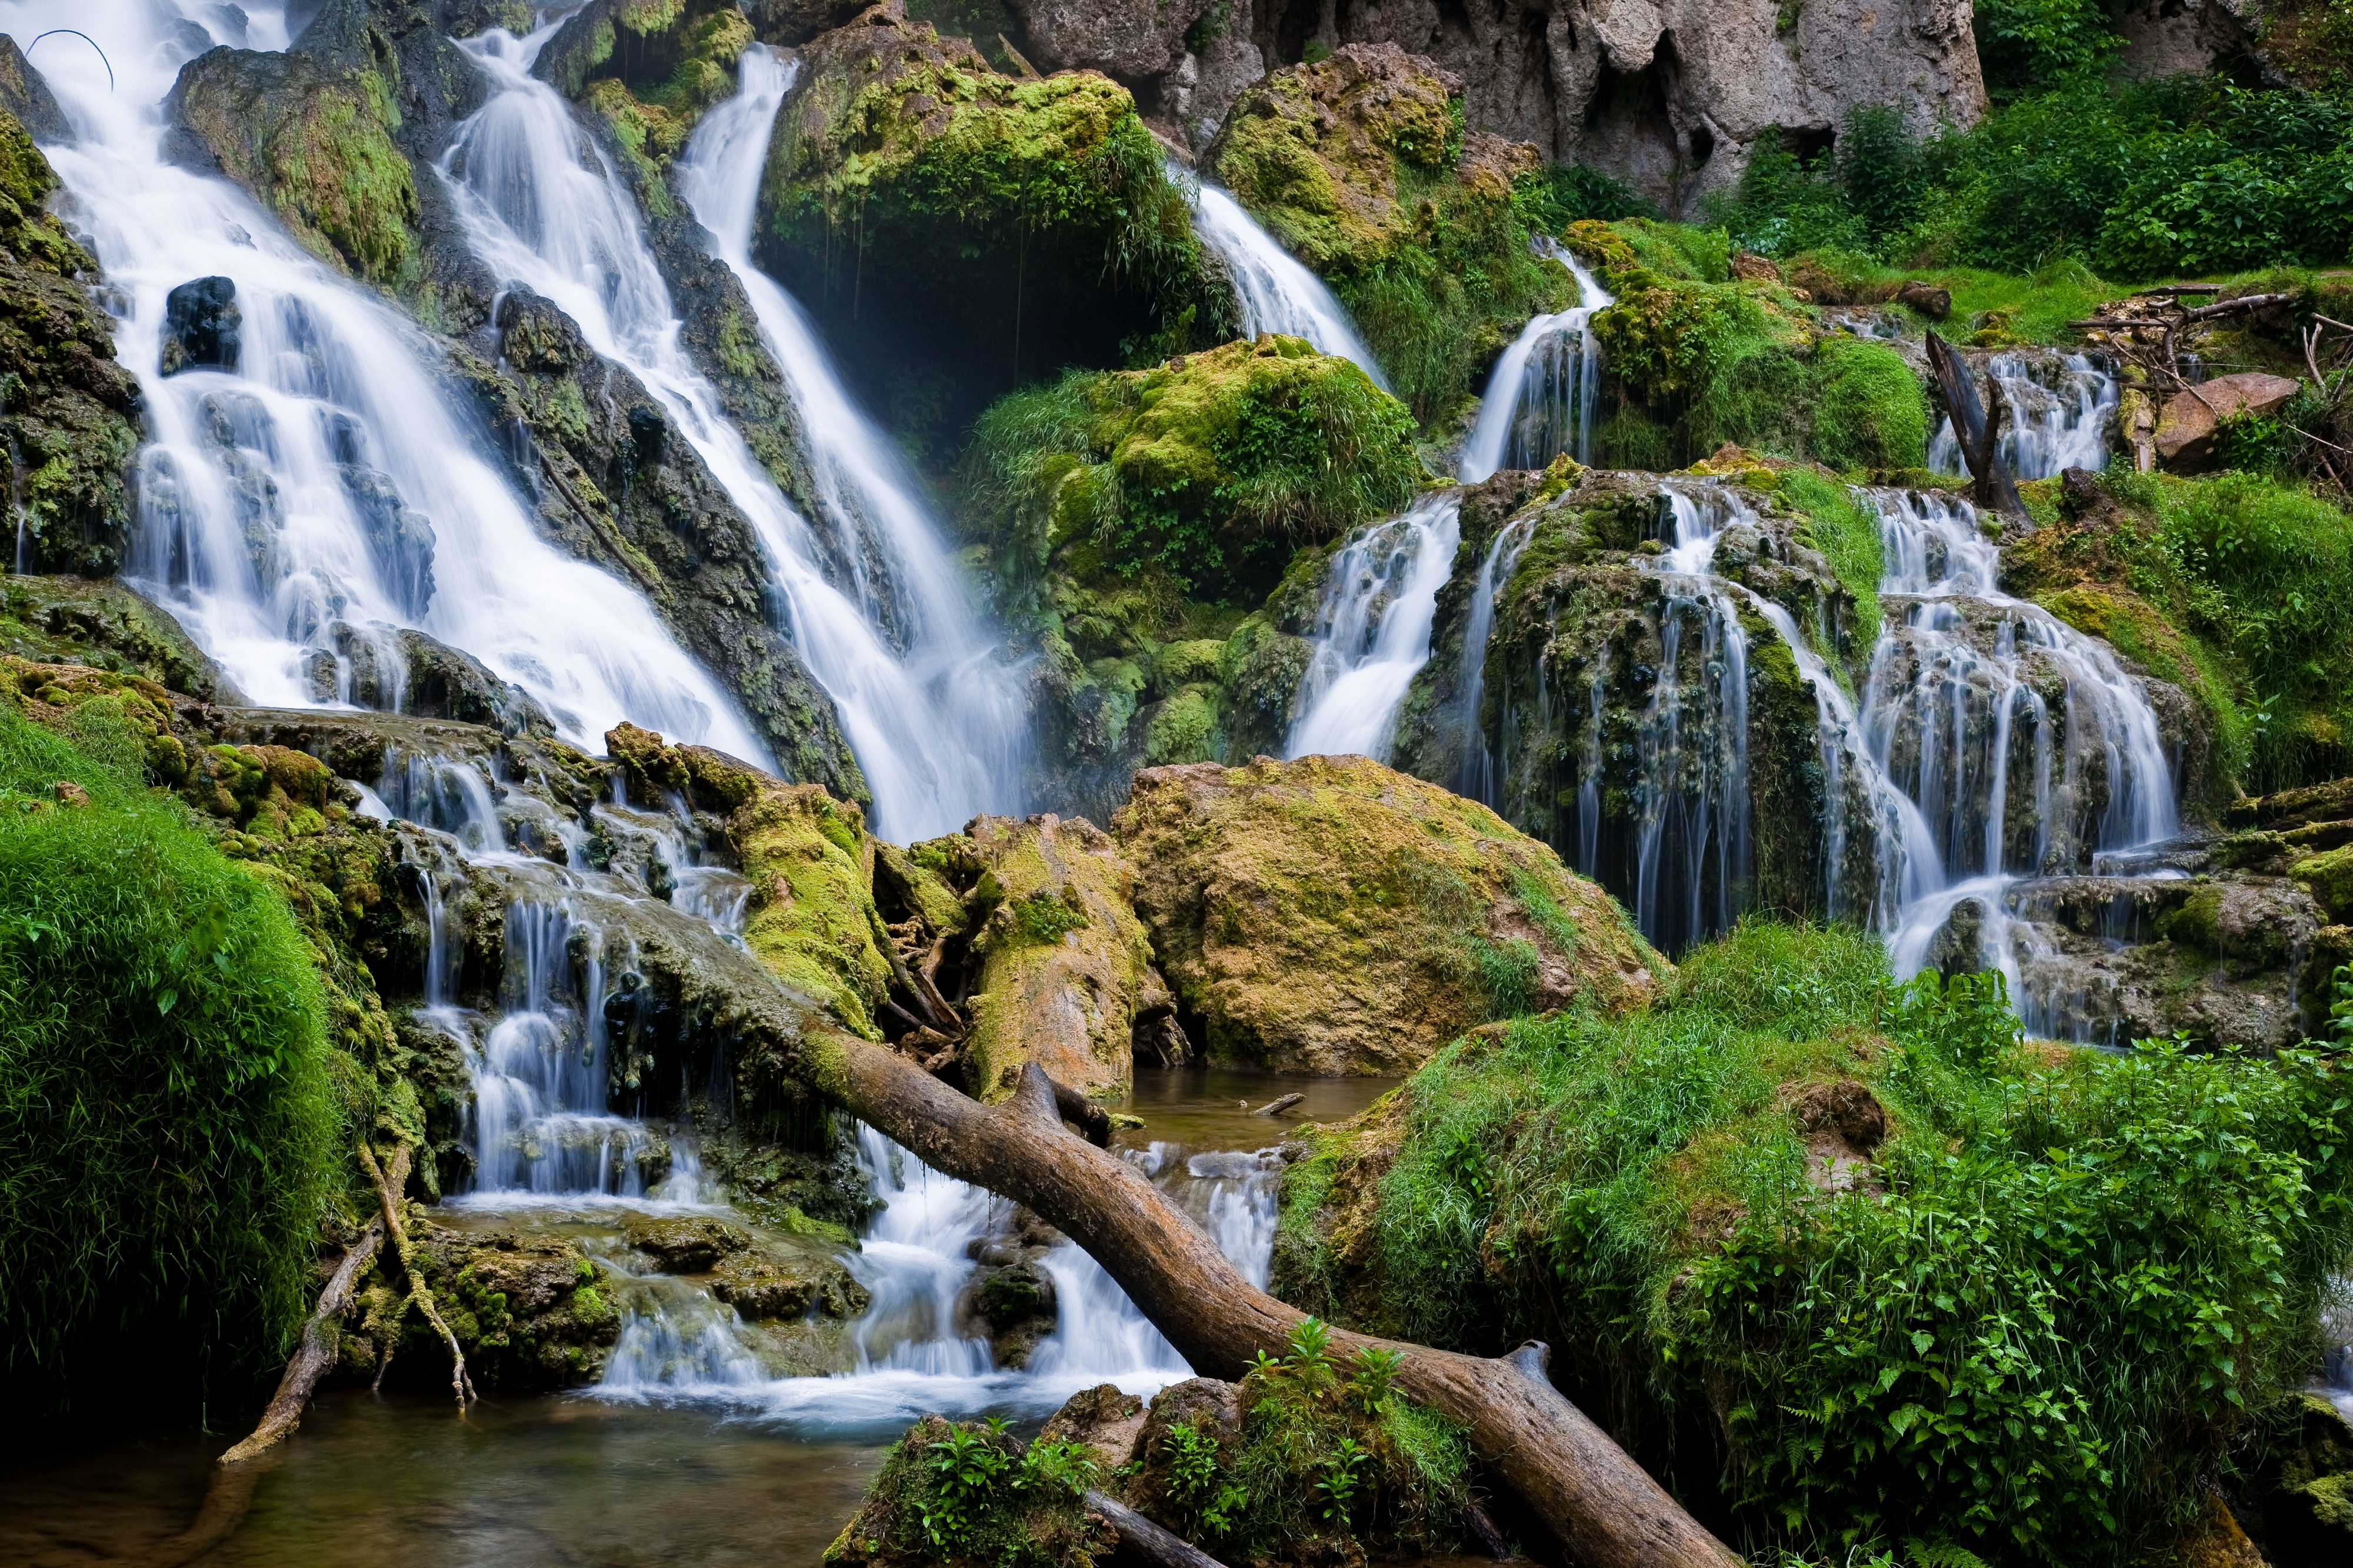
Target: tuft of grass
<point>1847,533</point>
<point>166,1116</point>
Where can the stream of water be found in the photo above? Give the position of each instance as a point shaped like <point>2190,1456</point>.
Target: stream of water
<point>1372,629</point>
<point>2060,409</point>
<point>1541,395</point>
<point>1276,293</point>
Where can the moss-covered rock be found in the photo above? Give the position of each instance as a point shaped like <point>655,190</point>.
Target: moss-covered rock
<point>649,70</point>
<point>67,410</point>
<point>976,228</point>
<point>1360,165</point>
<point>1330,915</point>
<point>531,1313</point>
<point>1061,957</point>
<point>812,921</point>
<point>101,624</point>
<point>1131,517</point>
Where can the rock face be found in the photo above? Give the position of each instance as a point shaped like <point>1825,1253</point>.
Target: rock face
<point>68,419</point>
<point>1062,957</point>
<point>393,669</point>
<point>201,326</point>
<point>1330,915</point>
<point>1670,97</point>
<point>527,1309</point>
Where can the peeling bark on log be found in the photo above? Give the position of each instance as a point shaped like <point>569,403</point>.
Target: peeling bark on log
<point>1147,1541</point>
<point>312,1357</point>
<point>387,1192</point>
<point>1605,1508</point>
<point>1977,428</point>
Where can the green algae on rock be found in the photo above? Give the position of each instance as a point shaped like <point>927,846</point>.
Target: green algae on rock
<point>977,228</point>
<point>67,410</point>
<point>1331,915</point>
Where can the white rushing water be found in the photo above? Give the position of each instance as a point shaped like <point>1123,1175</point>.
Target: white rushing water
<point>2060,411</point>
<point>1541,395</point>
<point>541,207</point>
<point>333,478</point>
<point>1372,629</point>
<point>1276,293</point>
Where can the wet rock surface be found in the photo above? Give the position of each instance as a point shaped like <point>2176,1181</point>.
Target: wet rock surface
<point>532,1312</point>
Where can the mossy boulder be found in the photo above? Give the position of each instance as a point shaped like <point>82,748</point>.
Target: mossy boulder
<point>531,1312</point>
<point>1132,518</point>
<point>105,625</point>
<point>969,229</point>
<point>649,70</point>
<point>1061,957</point>
<point>1331,915</point>
<point>1361,166</point>
<point>67,412</point>
<point>812,921</point>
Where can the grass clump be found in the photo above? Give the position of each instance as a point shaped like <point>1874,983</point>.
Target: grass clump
<point>971,1492</point>
<point>1847,533</point>
<point>166,1119</point>
<point>1917,1278</point>
<point>2235,586</point>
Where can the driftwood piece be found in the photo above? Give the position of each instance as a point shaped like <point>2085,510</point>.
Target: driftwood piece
<point>1145,1541</point>
<point>387,1190</point>
<point>1277,1107</point>
<point>1606,1511</point>
<point>1978,428</point>
<point>312,1356</point>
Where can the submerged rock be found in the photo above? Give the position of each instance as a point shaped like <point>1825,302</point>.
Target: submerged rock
<point>1330,915</point>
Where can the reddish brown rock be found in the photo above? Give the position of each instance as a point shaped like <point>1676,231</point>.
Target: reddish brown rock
<point>2185,432</point>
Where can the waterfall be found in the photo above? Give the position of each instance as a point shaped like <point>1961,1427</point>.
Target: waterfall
<point>1478,771</point>
<point>1372,629</point>
<point>1277,294</point>
<point>1541,395</point>
<point>2025,747</point>
<point>541,207</point>
<point>332,478</point>
<point>2060,410</point>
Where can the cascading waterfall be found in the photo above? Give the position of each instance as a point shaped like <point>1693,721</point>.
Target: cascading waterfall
<point>1276,293</point>
<point>2025,747</point>
<point>2060,410</point>
<point>332,480</point>
<point>1541,395</point>
<point>541,207</point>
<point>1372,629</point>
<point>1478,771</point>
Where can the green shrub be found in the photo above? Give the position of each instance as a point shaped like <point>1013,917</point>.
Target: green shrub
<point>1869,411</point>
<point>970,1492</point>
<point>166,1125</point>
<point>2062,1287</point>
<point>2025,45</point>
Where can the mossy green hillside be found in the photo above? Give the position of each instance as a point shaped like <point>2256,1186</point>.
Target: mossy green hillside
<point>1129,520</point>
<point>1698,361</point>
<point>974,230</point>
<point>1361,166</point>
<point>66,408</point>
<point>1853,1264</point>
<point>2233,586</point>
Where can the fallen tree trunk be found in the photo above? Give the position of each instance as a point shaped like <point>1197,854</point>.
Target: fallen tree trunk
<point>312,1357</point>
<point>1604,1508</point>
<point>1145,1541</point>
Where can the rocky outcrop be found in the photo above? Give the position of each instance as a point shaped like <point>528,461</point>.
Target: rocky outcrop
<point>2191,418</point>
<point>25,95</point>
<point>67,412</point>
<point>965,230</point>
<point>101,624</point>
<point>1062,957</point>
<point>531,1312</point>
<point>395,669</point>
<point>1670,97</point>
<point>1330,915</point>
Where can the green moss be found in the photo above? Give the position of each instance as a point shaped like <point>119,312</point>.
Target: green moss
<point>950,1492</point>
<point>167,1121</point>
<point>1870,411</point>
<point>1847,533</point>
<point>1183,727</point>
<point>812,921</point>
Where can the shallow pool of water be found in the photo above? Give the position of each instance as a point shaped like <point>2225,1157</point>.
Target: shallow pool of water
<point>765,1475</point>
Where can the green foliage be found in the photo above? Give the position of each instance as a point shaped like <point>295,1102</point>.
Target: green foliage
<point>2071,1280</point>
<point>1329,1454</point>
<point>1869,411</point>
<point>971,1492</point>
<point>166,1123</point>
<point>1045,918</point>
<point>2145,179</point>
<point>2031,44</point>
<point>1548,200</point>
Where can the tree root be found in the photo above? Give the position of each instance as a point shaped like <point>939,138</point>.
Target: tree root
<point>312,1357</point>
<point>387,1190</point>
